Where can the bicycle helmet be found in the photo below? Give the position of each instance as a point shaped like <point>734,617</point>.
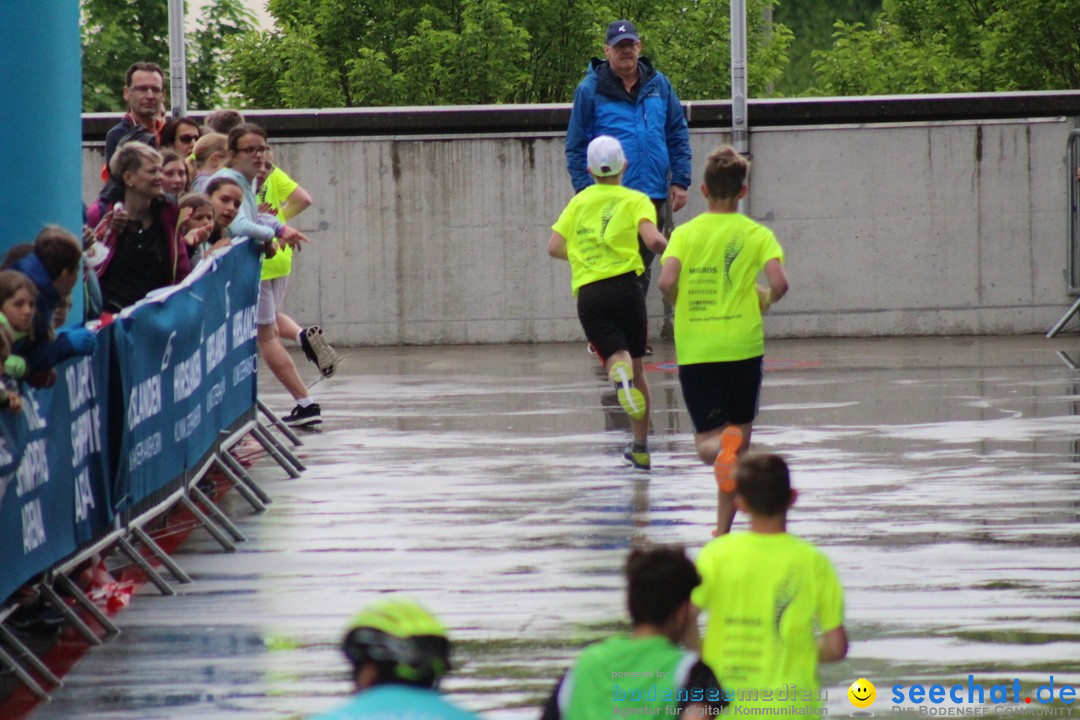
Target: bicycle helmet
<point>403,638</point>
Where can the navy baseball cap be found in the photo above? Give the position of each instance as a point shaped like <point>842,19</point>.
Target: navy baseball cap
<point>621,30</point>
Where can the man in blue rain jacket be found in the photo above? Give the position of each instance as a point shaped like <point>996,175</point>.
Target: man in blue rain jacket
<point>625,97</point>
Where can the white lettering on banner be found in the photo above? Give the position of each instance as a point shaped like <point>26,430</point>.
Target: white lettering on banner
<point>33,414</point>
<point>215,395</point>
<point>84,496</point>
<point>245,369</point>
<point>85,436</point>
<point>145,401</point>
<point>144,450</point>
<point>243,326</point>
<point>187,377</point>
<point>33,471</point>
<point>80,384</point>
<point>33,526</point>
<point>187,425</point>
<point>217,345</point>
<point>5,455</point>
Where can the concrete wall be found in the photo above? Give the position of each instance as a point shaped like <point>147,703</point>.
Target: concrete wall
<point>921,228</point>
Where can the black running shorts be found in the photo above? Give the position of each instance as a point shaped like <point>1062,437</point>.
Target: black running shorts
<point>721,393</point>
<point>612,313</point>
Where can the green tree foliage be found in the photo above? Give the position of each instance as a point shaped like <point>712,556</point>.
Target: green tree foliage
<point>117,33</point>
<point>925,46</point>
<point>811,23</point>
<point>376,52</point>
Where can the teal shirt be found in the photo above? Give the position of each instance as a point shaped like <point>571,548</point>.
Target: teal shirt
<point>398,702</point>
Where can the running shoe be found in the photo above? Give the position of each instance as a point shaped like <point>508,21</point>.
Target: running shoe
<point>318,351</point>
<point>640,460</point>
<point>302,417</point>
<point>630,398</point>
<point>731,440</point>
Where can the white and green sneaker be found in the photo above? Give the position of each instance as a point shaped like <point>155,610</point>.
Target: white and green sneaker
<point>630,398</point>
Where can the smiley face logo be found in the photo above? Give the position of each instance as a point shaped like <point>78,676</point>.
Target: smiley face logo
<point>862,693</point>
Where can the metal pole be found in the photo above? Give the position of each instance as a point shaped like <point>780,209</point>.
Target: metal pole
<point>739,136</point>
<point>177,59</point>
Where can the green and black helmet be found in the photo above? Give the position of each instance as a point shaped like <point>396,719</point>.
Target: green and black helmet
<point>407,642</point>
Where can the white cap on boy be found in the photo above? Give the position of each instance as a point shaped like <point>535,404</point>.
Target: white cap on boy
<point>606,156</point>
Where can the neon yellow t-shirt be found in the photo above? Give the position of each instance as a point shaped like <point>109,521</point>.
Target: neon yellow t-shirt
<point>600,225</point>
<point>717,316</point>
<point>275,190</point>
<point>765,594</point>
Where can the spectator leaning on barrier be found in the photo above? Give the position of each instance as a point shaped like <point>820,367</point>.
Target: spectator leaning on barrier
<point>144,90</point>
<point>626,98</point>
<point>53,267</point>
<point>650,671</point>
<point>399,653</point>
<point>146,252</point>
<point>248,153</point>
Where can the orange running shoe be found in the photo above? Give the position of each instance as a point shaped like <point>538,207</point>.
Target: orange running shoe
<point>731,439</point>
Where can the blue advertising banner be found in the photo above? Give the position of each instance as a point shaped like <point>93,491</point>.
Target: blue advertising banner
<point>54,494</point>
<point>189,370</point>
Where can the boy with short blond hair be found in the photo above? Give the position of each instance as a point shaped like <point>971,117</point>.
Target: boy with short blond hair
<point>765,592</point>
<point>710,274</point>
<point>597,233</point>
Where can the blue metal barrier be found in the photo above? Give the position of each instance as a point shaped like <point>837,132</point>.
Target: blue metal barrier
<point>130,421</point>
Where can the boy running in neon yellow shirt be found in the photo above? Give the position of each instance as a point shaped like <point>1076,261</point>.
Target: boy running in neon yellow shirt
<point>597,233</point>
<point>767,594</point>
<point>709,275</point>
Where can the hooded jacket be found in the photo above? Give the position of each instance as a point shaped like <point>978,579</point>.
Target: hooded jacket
<point>39,351</point>
<point>651,128</point>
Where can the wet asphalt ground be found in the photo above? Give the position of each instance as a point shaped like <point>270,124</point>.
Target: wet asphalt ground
<point>942,476</point>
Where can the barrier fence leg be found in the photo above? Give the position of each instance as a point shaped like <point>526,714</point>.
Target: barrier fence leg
<point>270,444</point>
<point>176,571</point>
<point>242,475</point>
<point>29,682</point>
<point>237,483</point>
<point>276,422</point>
<point>136,557</point>
<point>39,667</point>
<point>206,523</point>
<point>219,516</point>
<point>71,615</point>
<point>87,604</point>
<point>273,449</point>
<point>1064,319</point>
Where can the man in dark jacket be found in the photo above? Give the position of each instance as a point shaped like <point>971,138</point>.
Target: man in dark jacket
<point>625,97</point>
<point>144,92</point>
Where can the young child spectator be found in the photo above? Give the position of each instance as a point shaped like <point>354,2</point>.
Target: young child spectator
<point>53,267</point>
<point>196,223</point>
<point>646,672</point>
<point>174,173</point>
<point>210,155</point>
<point>764,592</point>
<point>709,275</point>
<point>226,198</point>
<point>18,295</point>
<point>598,234</point>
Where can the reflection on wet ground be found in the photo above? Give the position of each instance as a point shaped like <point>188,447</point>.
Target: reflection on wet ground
<point>941,476</point>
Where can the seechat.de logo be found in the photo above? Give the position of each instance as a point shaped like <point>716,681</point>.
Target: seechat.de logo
<point>862,694</point>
